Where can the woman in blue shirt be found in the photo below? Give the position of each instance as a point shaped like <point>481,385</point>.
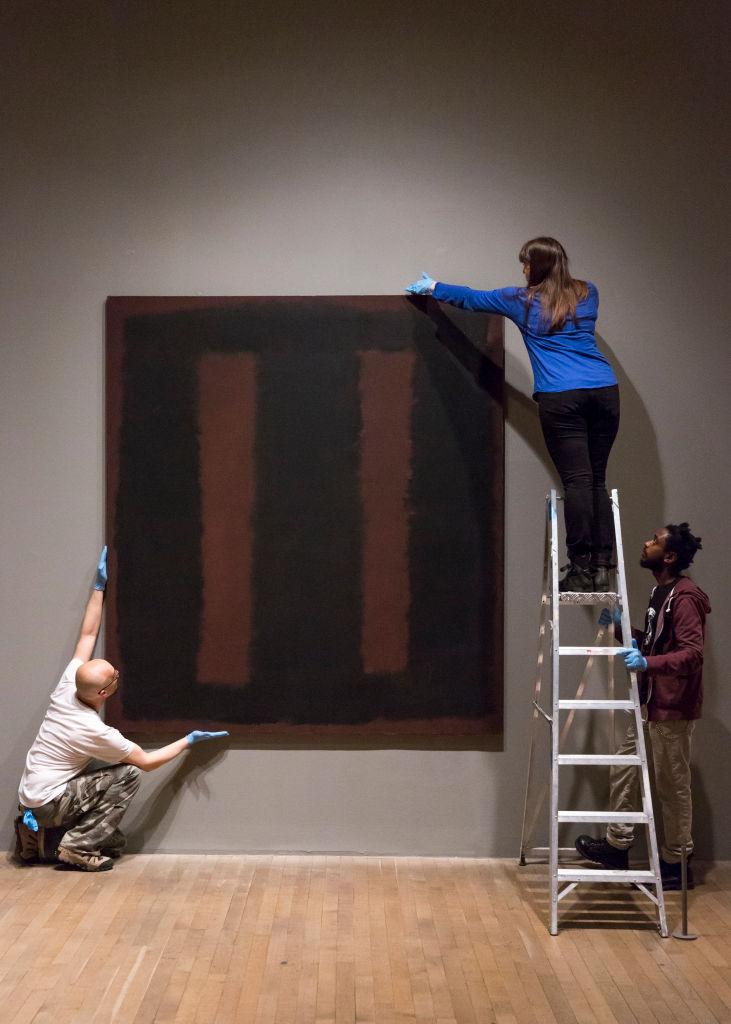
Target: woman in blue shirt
<point>576,391</point>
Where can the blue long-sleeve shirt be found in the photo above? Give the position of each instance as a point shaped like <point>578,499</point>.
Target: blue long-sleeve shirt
<point>562,359</point>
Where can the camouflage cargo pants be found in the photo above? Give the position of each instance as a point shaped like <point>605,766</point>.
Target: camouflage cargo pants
<point>91,808</point>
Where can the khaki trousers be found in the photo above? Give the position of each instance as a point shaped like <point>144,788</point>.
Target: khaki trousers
<point>668,756</point>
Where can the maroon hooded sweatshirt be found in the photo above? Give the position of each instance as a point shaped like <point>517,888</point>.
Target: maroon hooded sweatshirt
<point>673,680</point>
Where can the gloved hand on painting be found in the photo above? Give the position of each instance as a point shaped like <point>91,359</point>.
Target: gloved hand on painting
<point>633,659</point>
<point>422,287</point>
<point>196,736</point>
<point>100,581</point>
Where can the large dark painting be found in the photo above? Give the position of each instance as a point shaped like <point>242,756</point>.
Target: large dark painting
<point>304,515</point>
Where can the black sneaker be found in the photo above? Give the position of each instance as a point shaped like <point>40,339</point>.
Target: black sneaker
<point>672,877</point>
<point>602,852</point>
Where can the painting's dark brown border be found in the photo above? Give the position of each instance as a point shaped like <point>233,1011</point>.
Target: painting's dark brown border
<point>476,341</point>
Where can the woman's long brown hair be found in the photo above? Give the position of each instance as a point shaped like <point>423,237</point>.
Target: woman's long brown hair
<point>549,278</point>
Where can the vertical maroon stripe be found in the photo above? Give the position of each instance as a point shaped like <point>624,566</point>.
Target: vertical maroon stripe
<point>226,401</point>
<point>386,398</point>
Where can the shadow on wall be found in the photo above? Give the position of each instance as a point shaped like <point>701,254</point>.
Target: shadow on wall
<point>635,470</point>
<point>634,465</point>
<point>714,736</point>
<point>146,829</point>
<point>520,409</point>
<point>711,745</point>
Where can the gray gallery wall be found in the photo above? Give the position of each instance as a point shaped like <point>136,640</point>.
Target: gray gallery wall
<point>322,148</point>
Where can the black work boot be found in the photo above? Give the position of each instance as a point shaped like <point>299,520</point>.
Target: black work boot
<point>600,577</point>
<point>672,876</point>
<point>602,852</point>
<point>578,578</point>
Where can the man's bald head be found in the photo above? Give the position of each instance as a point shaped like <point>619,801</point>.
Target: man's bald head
<point>96,680</point>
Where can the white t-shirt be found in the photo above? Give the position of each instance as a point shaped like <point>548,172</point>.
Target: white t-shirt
<point>70,736</point>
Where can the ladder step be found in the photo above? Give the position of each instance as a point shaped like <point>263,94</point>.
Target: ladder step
<point>604,875</point>
<point>599,759</point>
<point>596,705</point>
<point>592,651</point>
<point>600,597</point>
<point>601,817</point>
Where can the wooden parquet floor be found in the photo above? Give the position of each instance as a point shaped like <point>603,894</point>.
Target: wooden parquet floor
<point>318,939</point>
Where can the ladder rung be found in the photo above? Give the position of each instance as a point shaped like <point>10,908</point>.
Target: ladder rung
<point>604,875</point>
<point>599,759</point>
<point>596,705</point>
<point>600,597</point>
<point>592,651</point>
<point>630,817</point>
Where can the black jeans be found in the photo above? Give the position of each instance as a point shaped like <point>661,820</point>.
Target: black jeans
<point>580,427</point>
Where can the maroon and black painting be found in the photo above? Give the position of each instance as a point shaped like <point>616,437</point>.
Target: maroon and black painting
<point>304,515</point>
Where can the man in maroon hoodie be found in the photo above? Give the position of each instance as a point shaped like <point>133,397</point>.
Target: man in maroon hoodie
<point>668,656</point>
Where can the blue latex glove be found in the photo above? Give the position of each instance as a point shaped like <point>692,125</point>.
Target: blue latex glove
<point>30,821</point>
<point>606,617</point>
<point>633,659</point>
<point>196,736</point>
<point>100,583</point>
<point>422,287</point>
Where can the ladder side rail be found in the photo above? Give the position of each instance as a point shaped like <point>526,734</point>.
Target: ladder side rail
<point>611,688</point>
<point>647,802</point>
<point>555,695</point>
<point>621,574</point>
<point>543,631</point>
<point>634,691</point>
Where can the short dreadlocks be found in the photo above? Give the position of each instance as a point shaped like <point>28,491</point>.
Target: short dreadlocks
<point>683,543</point>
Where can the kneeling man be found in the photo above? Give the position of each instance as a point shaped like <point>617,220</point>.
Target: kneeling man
<point>57,792</point>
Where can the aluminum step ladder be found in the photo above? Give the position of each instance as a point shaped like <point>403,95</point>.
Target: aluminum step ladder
<point>550,656</point>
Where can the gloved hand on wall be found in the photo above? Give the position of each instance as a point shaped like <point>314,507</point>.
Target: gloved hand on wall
<point>422,287</point>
